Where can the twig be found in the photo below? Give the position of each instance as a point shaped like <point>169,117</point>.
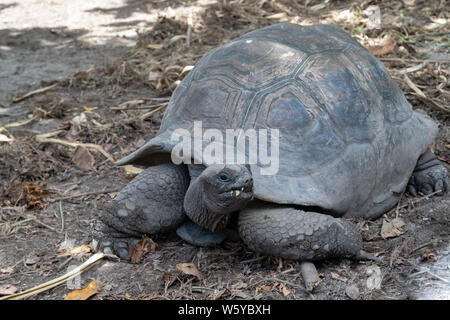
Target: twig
<point>419,199</point>
<point>416,60</point>
<point>148,114</point>
<point>419,93</point>
<point>253,260</point>
<point>56,282</point>
<point>62,216</point>
<point>124,107</point>
<point>43,224</point>
<point>29,94</point>
<point>16,124</point>
<point>47,138</point>
<point>421,246</point>
<point>83,194</point>
<point>189,30</point>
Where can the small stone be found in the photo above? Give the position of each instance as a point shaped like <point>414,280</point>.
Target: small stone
<point>352,291</point>
<point>31,259</point>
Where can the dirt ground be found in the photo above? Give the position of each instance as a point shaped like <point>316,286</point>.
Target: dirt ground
<point>111,67</point>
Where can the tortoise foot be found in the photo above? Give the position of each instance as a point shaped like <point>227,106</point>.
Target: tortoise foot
<point>198,236</point>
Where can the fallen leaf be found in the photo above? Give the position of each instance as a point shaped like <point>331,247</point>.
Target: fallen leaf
<point>284,290</point>
<point>352,291</point>
<point>155,46</point>
<point>144,246</point>
<point>89,108</point>
<point>428,256</point>
<point>338,277</point>
<point>83,158</point>
<point>263,288</point>
<point>4,138</point>
<point>7,270</point>
<point>83,294</point>
<point>132,171</point>
<point>375,278</point>
<point>277,15</point>
<point>190,269</point>
<point>381,50</point>
<point>76,251</point>
<point>318,7</point>
<point>392,229</point>
<point>7,289</point>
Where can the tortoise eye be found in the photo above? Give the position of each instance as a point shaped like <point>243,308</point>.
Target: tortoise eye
<point>224,177</point>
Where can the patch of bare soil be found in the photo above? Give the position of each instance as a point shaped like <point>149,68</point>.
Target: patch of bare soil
<point>115,64</point>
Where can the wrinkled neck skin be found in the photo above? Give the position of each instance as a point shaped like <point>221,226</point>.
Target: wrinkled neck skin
<point>202,210</point>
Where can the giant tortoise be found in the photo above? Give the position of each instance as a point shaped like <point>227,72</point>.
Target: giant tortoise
<point>349,144</point>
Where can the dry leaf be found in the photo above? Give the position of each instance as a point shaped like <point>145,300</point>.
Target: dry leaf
<point>155,46</point>
<point>144,246</point>
<point>428,256</point>
<point>76,251</point>
<point>338,277</point>
<point>7,289</point>
<point>83,158</point>
<point>4,138</point>
<point>85,293</point>
<point>263,288</point>
<point>392,229</point>
<point>131,171</point>
<point>190,269</point>
<point>381,50</point>
<point>277,15</point>
<point>89,108</point>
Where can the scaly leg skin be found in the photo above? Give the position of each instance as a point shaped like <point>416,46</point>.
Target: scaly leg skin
<point>429,176</point>
<point>295,234</point>
<point>152,203</point>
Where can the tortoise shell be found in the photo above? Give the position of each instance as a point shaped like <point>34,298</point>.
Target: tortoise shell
<point>348,138</point>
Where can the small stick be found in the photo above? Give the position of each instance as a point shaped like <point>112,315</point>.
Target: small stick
<point>47,138</point>
<point>189,30</point>
<point>29,94</point>
<point>418,200</point>
<point>309,274</point>
<point>421,246</point>
<point>16,124</point>
<point>148,114</point>
<point>416,60</point>
<point>62,216</point>
<point>56,282</point>
<point>83,194</point>
<point>253,260</point>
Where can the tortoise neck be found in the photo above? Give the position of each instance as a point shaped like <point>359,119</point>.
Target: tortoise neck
<point>196,208</point>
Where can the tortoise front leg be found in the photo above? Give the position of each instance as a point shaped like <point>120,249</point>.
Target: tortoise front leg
<point>429,176</point>
<point>152,203</point>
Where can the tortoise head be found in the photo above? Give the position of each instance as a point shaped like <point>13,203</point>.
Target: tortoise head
<point>217,192</point>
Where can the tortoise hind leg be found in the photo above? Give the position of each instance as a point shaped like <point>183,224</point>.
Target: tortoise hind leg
<point>429,176</point>
<point>152,203</point>
<point>295,234</point>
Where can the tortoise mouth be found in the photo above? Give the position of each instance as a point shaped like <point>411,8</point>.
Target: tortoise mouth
<point>237,191</point>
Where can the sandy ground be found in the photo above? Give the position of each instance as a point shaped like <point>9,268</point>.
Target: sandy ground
<point>104,53</point>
